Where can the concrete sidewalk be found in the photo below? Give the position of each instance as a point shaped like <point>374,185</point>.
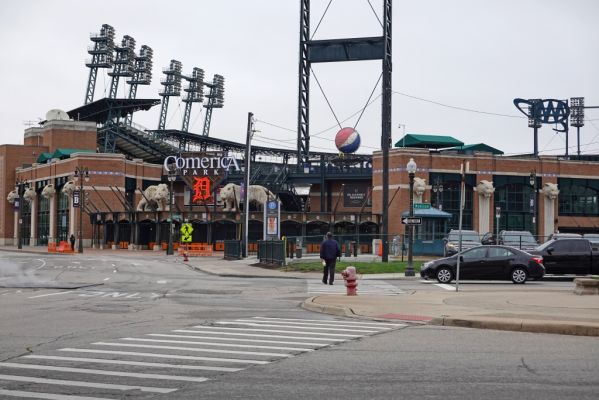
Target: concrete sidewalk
<point>557,310</point>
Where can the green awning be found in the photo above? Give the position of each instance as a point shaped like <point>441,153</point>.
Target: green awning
<point>471,148</point>
<point>66,153</point>
<point>428,213</point>
<point>428,141</point>
<point>43,158</point>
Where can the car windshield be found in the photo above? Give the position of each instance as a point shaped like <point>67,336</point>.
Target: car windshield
<point>518,238</point>
<point>466,237</point>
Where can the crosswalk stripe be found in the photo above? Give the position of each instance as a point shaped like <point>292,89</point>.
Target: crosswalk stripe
<point>104,372</point>
<point>171,356</point>
<point>250,353</point>
<point>237,340</point>
<point>208,330</point>
<point>310,324</point>
<point>136,363</point>
<point>445,286</point>
<point>33,379</point>
<point>334,322</point>
<point>273,325</point>
<point>46,396</point>
<point>346,335</point>
<point>243,346</point>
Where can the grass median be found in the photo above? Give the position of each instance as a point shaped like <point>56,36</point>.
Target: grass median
<point>361,267</point>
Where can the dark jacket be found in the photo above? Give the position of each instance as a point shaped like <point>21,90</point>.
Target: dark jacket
<point>329,249</point>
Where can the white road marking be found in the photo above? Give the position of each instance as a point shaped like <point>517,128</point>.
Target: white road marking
<point>252,353</point>
<point>237,340</point>
<point>310,324</point>
<point>280,325</point>
<point>46,396</point>
<point>136,363</point>
<point>161,282</point>
<point>241,346</point>
<point>49,294</point>
<point>211,332</point>
<point>84,384</point>
<point>106,279</point>
<point>445,286</point>
<point>43,263</point>
<point>105,372</point>
<point>334,322</point>
<point>279,331</point>
<point>161,355</point>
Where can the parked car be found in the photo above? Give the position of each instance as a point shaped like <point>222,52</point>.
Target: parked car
<point>569,256</point>
<point>452,241</point>
<point>486,262</point>
<point>489,238</point>
<point>593,238</point>
<point>522,240</point>
<point>564,235</point>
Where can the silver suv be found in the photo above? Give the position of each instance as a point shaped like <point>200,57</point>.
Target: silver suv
<point>452,241</point>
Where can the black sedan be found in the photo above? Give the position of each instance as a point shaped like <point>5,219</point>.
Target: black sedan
<point>486,262</point>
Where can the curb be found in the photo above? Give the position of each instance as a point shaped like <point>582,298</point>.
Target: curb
<point>519,325</point>
<point>310,305</point>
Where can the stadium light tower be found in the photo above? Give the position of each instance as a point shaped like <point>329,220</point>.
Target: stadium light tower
<point>102,57</point>
<point>142,74</point>
<point>216,99</point>
<point>172,87</point>
<point>195,94</point>
<point>123,63</point>
<point>577,117</point>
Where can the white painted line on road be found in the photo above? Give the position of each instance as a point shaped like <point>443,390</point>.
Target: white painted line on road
<point>445,286</point>
<point>84,384</point>
<point>251,353</point>
<point>241,346</point>
<point>281,325</point>
<point>46,396</point>
<point>237,340</point>
<point>106,279</point>
<point>340,324</point>
<point>43,263</point>
<point>136,363</point>
<point>331,321</point>
<point>346,335</point>
<point>49,294</point>
<point>161,355</point>
<point>210,332</point>
<point>105,372</point>
<point>161,282</point>
<point>114,271</point>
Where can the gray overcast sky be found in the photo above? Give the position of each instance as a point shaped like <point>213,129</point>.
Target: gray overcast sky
<point>472,54</point>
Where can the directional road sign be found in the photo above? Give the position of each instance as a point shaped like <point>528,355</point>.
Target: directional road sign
<point>411,221</point>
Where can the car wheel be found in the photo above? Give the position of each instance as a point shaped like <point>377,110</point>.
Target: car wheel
<point>444,275</point>
<point>519,275</point>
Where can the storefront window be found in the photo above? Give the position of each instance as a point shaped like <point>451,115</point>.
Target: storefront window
<point>62,217</point>
<point>448,198</point>
<point>578,197</point>
<point>43,221</point>
<point>512,195</point>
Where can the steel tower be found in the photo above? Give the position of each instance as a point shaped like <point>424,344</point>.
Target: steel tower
<point>216,99</point>
<point>142,74</point>
<point>102,57</point>
<point>172,87</point>
<point>195,94</point>
<point>123,63</point>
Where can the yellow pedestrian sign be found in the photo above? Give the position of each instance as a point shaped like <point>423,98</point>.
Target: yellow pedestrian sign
<point>186,231</point>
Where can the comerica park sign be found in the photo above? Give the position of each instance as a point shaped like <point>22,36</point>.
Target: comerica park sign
<point>201,164</point>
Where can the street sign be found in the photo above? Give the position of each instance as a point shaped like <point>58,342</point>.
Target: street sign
<point>411,221</point>
<point>186,231</point>
<point>422,206</point>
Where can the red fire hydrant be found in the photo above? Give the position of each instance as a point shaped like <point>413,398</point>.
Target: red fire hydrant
<point>350,278</point>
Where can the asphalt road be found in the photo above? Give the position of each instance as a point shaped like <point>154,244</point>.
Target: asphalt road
<point>104,328</point>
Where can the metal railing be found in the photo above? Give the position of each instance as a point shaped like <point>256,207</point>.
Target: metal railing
<point>232,249</point>
<point>271,252</point>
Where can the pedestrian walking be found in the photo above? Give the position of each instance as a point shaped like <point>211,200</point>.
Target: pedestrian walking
<point>72,239</point>
<point>329,251</point>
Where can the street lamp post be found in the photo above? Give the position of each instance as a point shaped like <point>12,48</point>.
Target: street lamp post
<point>20,187</point>
<point>532,180</point>
<point>172,176</point>
<point>438,191</point>
<point>411,168</point>
<point>82,173</point>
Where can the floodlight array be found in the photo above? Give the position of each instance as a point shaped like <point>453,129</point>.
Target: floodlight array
<point>172,81</point>
<point>142,67</point>
<point>125,58</point>
<point>532,121</point>
<point>218,91</point>
<point>577,112</point>
<point>195,88</point>
<point>102,50</point>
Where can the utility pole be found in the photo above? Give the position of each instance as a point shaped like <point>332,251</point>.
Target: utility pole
<point>246,184</point>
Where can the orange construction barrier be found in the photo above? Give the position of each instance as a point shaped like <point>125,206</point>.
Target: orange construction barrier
<point>65,247</point>
<point>51,247</point>
<point>196,249</point>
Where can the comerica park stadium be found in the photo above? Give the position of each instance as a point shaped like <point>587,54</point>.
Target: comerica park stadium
<point>92,172</point>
